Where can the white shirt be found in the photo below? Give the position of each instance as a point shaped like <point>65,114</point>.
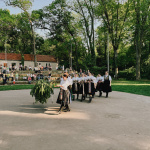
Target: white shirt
<point>65,84</point>
<point>75,79</point>
<point>82,78</point>
<point>70,80</point>
<point>94,79</point>
<point>100,78</point>
<point>85,78</point>
<point>90,78</point>
<point>61,79</point>
<point>110,79</point>
<point>28,75</point>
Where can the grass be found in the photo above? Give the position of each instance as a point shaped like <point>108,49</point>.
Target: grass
<point>15,87</point>
<point>135,87</point>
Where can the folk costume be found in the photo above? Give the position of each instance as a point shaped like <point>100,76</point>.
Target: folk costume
<point>89,87</point>
<point>82,87</point>
<point>99,86</point>
<point>75,87</point>
<point>95,83</point>
<point>70,81</point>
<point>107,86</point>
<point>70,86</point>
<point>64,95</point>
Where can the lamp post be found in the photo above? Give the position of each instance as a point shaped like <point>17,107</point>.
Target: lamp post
<point>108,52</point>
<point>71,56</point>
<point>5,52</point>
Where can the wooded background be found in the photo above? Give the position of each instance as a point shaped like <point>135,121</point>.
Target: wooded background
<point>85,30</point>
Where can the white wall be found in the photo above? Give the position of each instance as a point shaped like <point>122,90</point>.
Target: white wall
<point>28,63</point>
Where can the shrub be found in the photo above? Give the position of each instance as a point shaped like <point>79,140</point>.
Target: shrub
<point>98,70</point>
<point>42,91</point>
<point>128,74</point>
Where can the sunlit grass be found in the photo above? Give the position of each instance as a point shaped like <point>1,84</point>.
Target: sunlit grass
<point>135,87</point>
<point>15,87</point>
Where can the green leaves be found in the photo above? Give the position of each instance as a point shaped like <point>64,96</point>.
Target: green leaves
<point>42,91</point>
<point>22,4</point>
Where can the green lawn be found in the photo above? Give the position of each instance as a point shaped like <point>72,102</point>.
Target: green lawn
<point>15,87</point>
<point>135,87</point>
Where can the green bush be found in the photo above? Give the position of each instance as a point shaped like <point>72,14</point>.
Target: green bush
<point>42,91</point>
<point>128,74</point>
<point>98,70</point>
<point>145,72</point>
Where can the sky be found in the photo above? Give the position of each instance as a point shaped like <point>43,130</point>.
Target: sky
<point>37,4</point>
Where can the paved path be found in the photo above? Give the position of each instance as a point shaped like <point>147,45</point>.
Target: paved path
<point>121,122</point>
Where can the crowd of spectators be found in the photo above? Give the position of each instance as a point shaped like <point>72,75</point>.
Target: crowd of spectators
<point>11,74</point>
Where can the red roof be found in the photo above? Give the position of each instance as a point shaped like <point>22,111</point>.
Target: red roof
<point>28,57</point>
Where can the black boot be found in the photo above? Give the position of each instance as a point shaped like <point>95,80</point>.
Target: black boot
<point>66,109</point>
<point>100,94</point>
<point>77,96</point>
<point>106,94</point>
<point>90,99</point>
<point>83,97</point>
<point>93,95</point>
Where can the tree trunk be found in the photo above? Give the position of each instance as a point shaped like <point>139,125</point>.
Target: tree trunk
<point>116,62</point>
<point>138,54</point>
<point>138,41</point>
<point>138,65</point>
<point>33,44</point>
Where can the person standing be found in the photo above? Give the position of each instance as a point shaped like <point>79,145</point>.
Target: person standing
<point>107,83</point>
<point>16,76</point>
<point>4,79</point>
<point>12,75</point>
<point>82,87</point>
<point>90,87</point>
<point>99,86</point>
<point>64,94</point>
<point>95,84</point>
<point>75,86</point>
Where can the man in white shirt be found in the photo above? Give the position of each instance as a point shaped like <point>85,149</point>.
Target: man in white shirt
<point>64,94</point>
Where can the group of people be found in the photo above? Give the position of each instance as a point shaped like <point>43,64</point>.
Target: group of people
<point>8,77</point>
<point>84,85</point>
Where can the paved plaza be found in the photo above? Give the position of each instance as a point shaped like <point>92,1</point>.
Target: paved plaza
<point>120,122</point>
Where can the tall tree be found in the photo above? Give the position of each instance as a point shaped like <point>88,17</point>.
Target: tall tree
<point>141,17</point>
<point>7,25</point>
<point>114,15</point>
<point>85,9</point>
<point>25,5</point>
<point>60,23</point>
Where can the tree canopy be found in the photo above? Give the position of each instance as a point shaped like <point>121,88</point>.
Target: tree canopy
<point>80,29</point>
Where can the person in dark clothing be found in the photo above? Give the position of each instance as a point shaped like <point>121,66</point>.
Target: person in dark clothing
<point>99,86</point>
<point>107,83</point>
<point>75,86</point>
<point>5,79</point>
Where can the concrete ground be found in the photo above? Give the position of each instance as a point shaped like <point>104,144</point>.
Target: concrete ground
<point>120,122</point>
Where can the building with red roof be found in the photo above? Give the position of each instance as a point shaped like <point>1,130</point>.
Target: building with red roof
<point>13,59</point>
